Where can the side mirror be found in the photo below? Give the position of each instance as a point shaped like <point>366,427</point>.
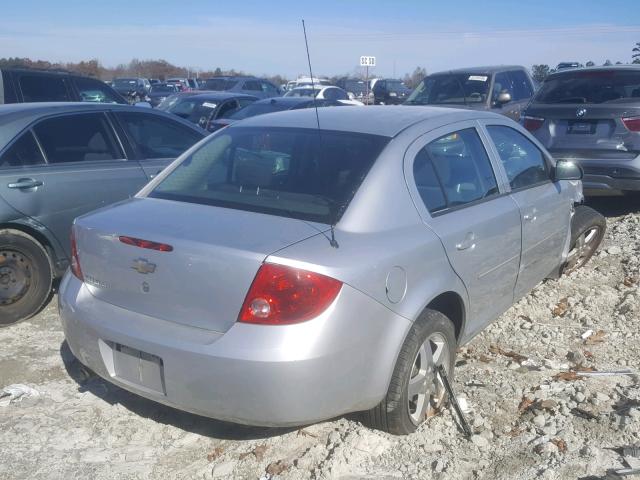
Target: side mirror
<point>566,170</point>
<point>503,97</point>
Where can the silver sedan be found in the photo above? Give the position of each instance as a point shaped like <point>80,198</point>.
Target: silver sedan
<point>282,272</point>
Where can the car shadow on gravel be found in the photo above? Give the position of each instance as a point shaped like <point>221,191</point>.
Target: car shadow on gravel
<point>615,206</point>
<point>90,382</point>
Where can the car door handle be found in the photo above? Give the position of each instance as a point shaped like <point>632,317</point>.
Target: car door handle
<point>25,183</point>
<point>468,243</point>
<point>531,216</point>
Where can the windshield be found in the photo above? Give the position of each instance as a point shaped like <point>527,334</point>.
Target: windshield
<point>277,171</point>
<point>219,84</point>
<point>163,88</point>
<point>302,92</point>
<point>396,86</point>
<point>458,88</point>
<point>258,109</point>
<point>597,86</point>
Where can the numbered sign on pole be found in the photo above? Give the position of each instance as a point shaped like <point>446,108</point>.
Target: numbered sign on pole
<point>367,61</point>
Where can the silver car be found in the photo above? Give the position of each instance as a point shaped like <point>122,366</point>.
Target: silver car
<point>278,274</point>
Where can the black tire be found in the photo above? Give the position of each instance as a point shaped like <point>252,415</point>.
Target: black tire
<point>26,276</point>
<point>586,224</point>
<point>393,415</point>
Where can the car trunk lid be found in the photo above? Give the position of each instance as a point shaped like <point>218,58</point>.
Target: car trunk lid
<point>203,280</point>
<point>586,131</point>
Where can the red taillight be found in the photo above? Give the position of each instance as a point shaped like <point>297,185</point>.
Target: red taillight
<point>75,260</point>
<point>137,242</point>
<point>281,295</point>
<point>532,123</point>
<point>632,124</point>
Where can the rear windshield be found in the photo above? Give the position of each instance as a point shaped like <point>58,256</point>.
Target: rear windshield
<point>458,89</point>
<point>287,172</point>
<point>219,84</point>
<point>599,86</point>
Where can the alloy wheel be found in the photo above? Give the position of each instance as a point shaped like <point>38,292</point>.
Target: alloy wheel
<point>583,248</point>
<point>426,392</point>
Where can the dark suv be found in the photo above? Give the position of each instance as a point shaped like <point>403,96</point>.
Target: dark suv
<point>592,116</point>
<point>503,89</point>
<point>389,91</point>
<point>18,85</point>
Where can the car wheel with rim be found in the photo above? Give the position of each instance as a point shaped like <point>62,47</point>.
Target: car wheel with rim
<point>25,276</point>
<point>416,392</point>
<point>587,231</point>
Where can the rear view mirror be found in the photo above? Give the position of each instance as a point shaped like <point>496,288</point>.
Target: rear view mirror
<point>503,97</point>
<point>565,170</point>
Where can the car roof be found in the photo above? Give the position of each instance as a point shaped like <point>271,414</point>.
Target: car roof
<point>482,70</point>
<point>622,68</point>
<point>15,117</point>
<point>284,100</point>
<point>213,95</point>
<point>386,121</point>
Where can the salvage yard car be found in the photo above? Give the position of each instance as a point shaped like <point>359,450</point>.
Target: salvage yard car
<point>58,161</point>
<point>592,116</point>
<point>279,274</point>
<point>502,89</point>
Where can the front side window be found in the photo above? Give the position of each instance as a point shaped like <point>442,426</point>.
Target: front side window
<point>502,84</point>
<point>78,138</point>
<point>23,153</point>
<point>156,137</point>
<point>454,170</point>
<point>252,85</point>
<point>95,91</point>
<point>523,161</point>
<point>43,88</point>
<point>289,172</point>
<point>522,89</point>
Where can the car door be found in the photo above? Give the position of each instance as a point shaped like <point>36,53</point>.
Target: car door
<point>65,166</point>
<point>156,140</point>
<point>459,196</point>
<point>545,206</point>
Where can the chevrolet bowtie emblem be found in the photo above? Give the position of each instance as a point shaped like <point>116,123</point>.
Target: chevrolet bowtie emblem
<point>143,266</point>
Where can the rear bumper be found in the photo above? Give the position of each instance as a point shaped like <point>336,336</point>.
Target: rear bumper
<point>609,177</point>
<point>340,362</point>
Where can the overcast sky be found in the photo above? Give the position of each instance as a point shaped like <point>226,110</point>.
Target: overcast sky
<point>265,37</point>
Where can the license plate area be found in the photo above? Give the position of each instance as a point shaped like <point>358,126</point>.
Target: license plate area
<point>581,127</point>
<point>134,367</point>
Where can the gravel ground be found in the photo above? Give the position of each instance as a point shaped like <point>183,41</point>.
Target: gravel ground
<point>532,414</point>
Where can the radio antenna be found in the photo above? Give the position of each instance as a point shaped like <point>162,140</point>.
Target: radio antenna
<point>332,240</point>
<point>313,88</point>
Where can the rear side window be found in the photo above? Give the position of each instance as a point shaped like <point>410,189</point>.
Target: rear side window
<point>95,91</point>
<point>43,88</point>
<point>454,170</point>
<point>288,172</point>
<point>156,137</point>
<point>77,138</point>
<point>523,161</point>
<point>591,86</point>
<point>24,152</point>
